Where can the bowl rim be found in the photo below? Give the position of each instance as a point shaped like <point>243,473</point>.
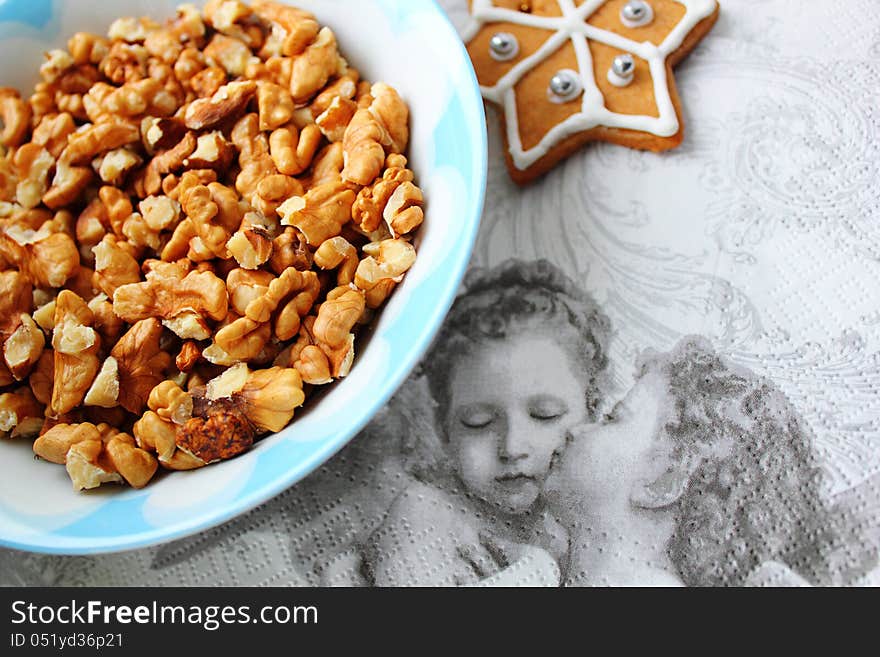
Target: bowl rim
<point>205,519</point>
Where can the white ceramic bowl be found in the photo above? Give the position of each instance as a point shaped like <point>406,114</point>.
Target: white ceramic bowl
<point>410,45</point>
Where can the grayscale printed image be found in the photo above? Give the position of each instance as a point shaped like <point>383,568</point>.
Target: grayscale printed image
<point>662,369</point>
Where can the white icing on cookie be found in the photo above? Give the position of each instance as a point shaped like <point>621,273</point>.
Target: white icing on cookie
<point>572,26</point>
<point>617,80</point>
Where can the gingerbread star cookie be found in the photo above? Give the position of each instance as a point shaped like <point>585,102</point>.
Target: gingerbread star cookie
<point>567,72</point>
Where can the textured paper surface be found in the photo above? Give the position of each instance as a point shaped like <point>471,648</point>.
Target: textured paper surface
<point>760,235</point>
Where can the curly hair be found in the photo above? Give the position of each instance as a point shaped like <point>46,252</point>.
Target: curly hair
<point>519,297</point>
<point>755,493</point>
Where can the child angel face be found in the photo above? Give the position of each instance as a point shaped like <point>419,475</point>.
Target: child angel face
<point>623,459</point>
<point>521,358</point>
<point>706,458</point>
<point>510,407</point>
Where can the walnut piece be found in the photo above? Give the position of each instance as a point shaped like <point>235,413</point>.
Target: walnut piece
<point>333,327</point>
<point>84,145</point>
<point>374,131</point>
<point>221,435</point>
<point>45,259</point>
<point>21,414</point>
<point>114,265</point>
<point>44,316</point>
<point>171,403</point>
<point>190,354</point>
<point>54,444</point>
<point>321,213</point>
<point>334,120</point>
<point>161,133</point>
<point>290,249</point>
<point>159,212</point>
<point>113,166</point>
<point>159,436</point>
<point>254,159</point>
<point>270,397</point>
<point>245,285</point>
<point>107,323</point>
<point>403,213</point>
<point>67,185</point>
<point>266,398</point>
<point>228,383</point>
<point>15,115</point>
<point>241,340</point>
<point>272,191</point>
<point>141,363</point>
<point>212,151</point>
<point>275,105</point>
<point>16,298</point>
<point>52,132</point>
<point>166,161</point>
<point>338,253</point>
<point>251,245</point>
<point>109,459</point>
<point>169,296</point>
<point>32,164</point>
<point>23,348</point>
<point>76,346</point>
<point>292,294</point>
<point>317,63</point>
<point>42,377</point>
<point>386,263</point>
<point>104,391</point>
<point>369,208</point>
<point>188,326</point>
<point>215,214</point>
<point>314,366</point>
<point>293,29</point>
<point>226,102</point>
<point>292,150</point>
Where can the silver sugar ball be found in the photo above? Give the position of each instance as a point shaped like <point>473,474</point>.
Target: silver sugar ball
<point>636,13</point>
<point>634,10</point>
<point>503,46</point>
<point>623,65</point>
<point>565,85</point>
<point>561,85</point>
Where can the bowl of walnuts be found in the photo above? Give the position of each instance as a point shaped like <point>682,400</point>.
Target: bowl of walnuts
<point>228,232</point>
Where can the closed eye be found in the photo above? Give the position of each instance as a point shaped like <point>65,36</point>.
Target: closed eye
<point>476,417</point>
<point>547,408</point>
